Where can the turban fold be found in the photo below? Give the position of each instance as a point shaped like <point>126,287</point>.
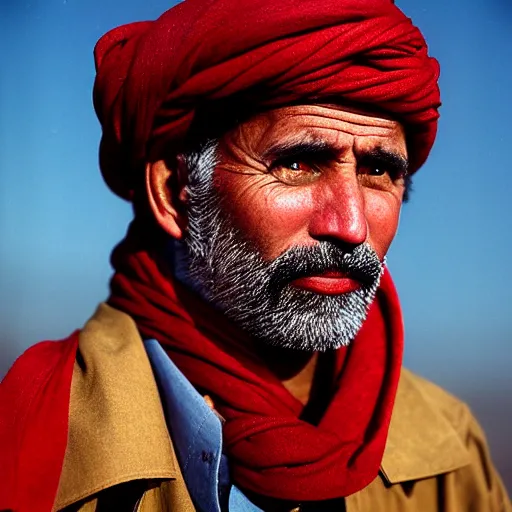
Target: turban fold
<point>154,76</point>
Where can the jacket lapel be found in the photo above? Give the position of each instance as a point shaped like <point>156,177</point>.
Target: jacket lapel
<point>117,430</point>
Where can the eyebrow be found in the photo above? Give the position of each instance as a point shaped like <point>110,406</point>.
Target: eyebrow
<point>319,148</point>
<point>385,157</point>
<point>294,148</point>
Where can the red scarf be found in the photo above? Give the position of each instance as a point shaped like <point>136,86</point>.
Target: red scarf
<point>273,452</point>
<point>34,410</point>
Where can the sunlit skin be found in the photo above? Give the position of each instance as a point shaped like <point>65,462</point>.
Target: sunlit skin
<point>298,175</point>
<point>280,204</point>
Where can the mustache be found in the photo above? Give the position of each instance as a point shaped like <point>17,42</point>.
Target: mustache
<point>361,263</point>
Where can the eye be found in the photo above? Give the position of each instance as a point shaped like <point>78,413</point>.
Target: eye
<point>294,172</point>
<point>382,166</point>
<point>379,177</point>
<point>374,171</point>
<point>381,172</point>
<point>296,166</point>
<point>378,171</point>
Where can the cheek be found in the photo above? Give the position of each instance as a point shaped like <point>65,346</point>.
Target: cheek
<point>270,217</point>
<point>382,213</point>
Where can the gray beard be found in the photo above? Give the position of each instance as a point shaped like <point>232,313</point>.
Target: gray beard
<point>223,267</point>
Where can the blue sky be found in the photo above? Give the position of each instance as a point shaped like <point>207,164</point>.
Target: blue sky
<point>58,221</point>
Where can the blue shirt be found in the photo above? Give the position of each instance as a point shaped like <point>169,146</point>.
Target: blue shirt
<point>196,433</point>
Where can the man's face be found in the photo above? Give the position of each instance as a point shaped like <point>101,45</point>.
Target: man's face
<point>301,174</point>
<point>290,217</point>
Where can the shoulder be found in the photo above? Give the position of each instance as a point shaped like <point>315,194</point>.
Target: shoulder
<point>32,370</point>
<point>456,413</point>
<point>39,359</point>
<point>453,409</point>
<point>34,401</point>
<point>454,441</point>
<point>34,367</point>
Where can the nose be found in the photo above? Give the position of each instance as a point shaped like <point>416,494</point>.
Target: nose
<point>339,210</point>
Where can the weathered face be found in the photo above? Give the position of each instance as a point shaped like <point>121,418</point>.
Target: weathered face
<point>289,218</point>
<point>302,174</point>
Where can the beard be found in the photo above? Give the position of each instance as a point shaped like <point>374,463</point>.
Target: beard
<point>256,294</point>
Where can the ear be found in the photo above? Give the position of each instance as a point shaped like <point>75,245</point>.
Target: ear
<point>166,204</point>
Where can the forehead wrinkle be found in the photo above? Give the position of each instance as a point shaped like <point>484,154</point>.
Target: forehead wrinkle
<point>306,137</point>
<point>344,116</point>
<point>315,125</point>
<point>252,144</point>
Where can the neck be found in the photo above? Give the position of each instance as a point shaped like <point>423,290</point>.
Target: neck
<point>308,376</point>
<point>296,370</point>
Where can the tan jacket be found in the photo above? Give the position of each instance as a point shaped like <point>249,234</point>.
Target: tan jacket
<point>120,456</point>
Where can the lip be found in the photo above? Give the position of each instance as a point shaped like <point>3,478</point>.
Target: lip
<point>327,283</point>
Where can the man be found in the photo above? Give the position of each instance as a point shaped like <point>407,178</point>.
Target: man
<point>249,355</point>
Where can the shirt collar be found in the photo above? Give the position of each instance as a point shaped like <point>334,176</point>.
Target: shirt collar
<point>195,430</point>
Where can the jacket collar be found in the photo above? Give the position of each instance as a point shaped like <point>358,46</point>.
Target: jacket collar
<point>117,431</point>
<point>114,389</point>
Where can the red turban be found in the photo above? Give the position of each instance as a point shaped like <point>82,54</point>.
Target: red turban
<point>152,77</point>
